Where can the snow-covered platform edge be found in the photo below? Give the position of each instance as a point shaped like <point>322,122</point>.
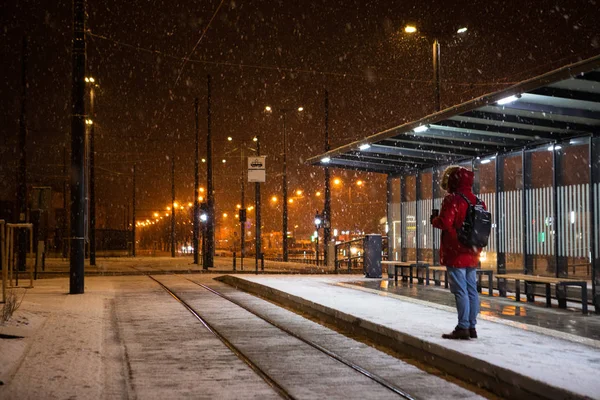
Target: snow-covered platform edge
<point>320,298</point>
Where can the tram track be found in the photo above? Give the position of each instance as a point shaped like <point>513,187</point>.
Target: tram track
<point>278,387</point>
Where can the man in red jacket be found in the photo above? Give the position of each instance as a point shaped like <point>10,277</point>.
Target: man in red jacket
<point>461,261</point>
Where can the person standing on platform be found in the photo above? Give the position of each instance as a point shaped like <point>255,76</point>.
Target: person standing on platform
<point>461,261</point>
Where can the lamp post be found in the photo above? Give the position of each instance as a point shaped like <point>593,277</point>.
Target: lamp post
<point>92,170</point>
<point>284,230</point>
<point>318,221</point>
<point>410,29</point>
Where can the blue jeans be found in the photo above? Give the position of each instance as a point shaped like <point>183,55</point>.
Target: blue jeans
<point>463,283</point>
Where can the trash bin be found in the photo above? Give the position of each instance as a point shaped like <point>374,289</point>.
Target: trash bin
<point>372,257</point>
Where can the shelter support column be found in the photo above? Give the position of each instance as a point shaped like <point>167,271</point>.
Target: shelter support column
<point>403,235</point>
<point>501,226</point>
<point>561,260</point>
<point>435,192</point>
<point>595,218</point>
<point>528,259</point>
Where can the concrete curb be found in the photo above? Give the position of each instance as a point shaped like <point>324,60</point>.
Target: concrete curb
<point>499,380</point>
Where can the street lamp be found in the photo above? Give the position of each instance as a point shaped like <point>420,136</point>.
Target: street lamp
<point>318,222</point>
<point>410,29</point>
<point>284,112</point>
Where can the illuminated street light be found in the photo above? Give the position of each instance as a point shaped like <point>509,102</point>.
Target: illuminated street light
<point>229,138</point>
<point>175,205</point>
<point>318,194</point>
<point>274,199</point>
<point>337,181</point>
<point>410,29</point>
<point>156,214</point>
<point>461,30</point>
<point>298,192</point>
<point>268,109</point>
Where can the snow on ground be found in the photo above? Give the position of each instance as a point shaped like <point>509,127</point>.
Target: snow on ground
<point>559,362</point>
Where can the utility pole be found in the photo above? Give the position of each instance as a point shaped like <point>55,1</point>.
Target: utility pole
<point>22,171</point>
<point>133,217</point>
<point>258,243</point>
<point>242,214</point>
<point>196,188</point>
<point>210,199</point>
<point>77,151</point>
<point>64,222</point>
<point>173,208</point>
<point>92,180</point>
<point>327,205</point>
<point>284,229</point>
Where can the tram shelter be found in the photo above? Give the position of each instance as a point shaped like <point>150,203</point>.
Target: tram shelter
<point>535,151</point>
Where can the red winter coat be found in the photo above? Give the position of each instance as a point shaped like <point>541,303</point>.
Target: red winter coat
<point>453,212</point>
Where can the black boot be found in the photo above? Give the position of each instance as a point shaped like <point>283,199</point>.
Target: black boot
<point>473,333</point>
<point>457,333</point>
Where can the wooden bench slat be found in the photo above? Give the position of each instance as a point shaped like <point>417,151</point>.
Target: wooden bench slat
<point>536,278</point>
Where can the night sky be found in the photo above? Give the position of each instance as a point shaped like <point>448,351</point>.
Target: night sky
<point>281,53</point>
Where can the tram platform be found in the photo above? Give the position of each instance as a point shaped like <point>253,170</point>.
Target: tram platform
<point>546,353</point>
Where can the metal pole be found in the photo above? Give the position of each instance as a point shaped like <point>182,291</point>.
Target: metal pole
<point>196,187</point>
<point>242,224</point>
<point>594,154</point>
<point>210,223</point>
<point>327,205</point>
<point>173,209</point>
<point>285,199</point>
<point>22,171</point>
<point>436,73</point>
<point>133,217</point>
<point>92,182</point>
<point>65,183</point>
<point>78,150</point>
<point>257,239</point>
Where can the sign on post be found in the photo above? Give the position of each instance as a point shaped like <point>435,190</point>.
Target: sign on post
<point>256,169</point>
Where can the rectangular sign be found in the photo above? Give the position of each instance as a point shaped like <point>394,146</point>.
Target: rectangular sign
<point>256,162</point>
<point>256,169</point>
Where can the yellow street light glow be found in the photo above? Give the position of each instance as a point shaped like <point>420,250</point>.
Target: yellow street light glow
<point>167,214</point>
<point>201,190</point>
<point>238,206</point>
<point>274,199</point>
<point>204,160</point>
<point>156,214</point>
<point>461,30</point>
<point>255,139</point>
<point>224,215</point>
<point>175,205</point>
<point>359,183</point>
<point>318,194</point>
<point>182,208</point>
<point>190,204</point>
<point>337,181</point>
<point>268,109</point>
<point>250,208</point>
<point>229,138</point>
<point>410,29</point>
<point>224,161</point>
<point>300,109</point>
<point>290,201</point>
<point>298,192</point>
<point>200,198</point>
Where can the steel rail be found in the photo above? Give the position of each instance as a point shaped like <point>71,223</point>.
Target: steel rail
<point>270,381</point>
<point>331,354</point>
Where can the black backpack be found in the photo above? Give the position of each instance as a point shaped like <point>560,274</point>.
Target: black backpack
<point>476,228</point>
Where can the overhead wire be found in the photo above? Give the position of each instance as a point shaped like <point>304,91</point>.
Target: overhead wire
<point>286,69</point>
